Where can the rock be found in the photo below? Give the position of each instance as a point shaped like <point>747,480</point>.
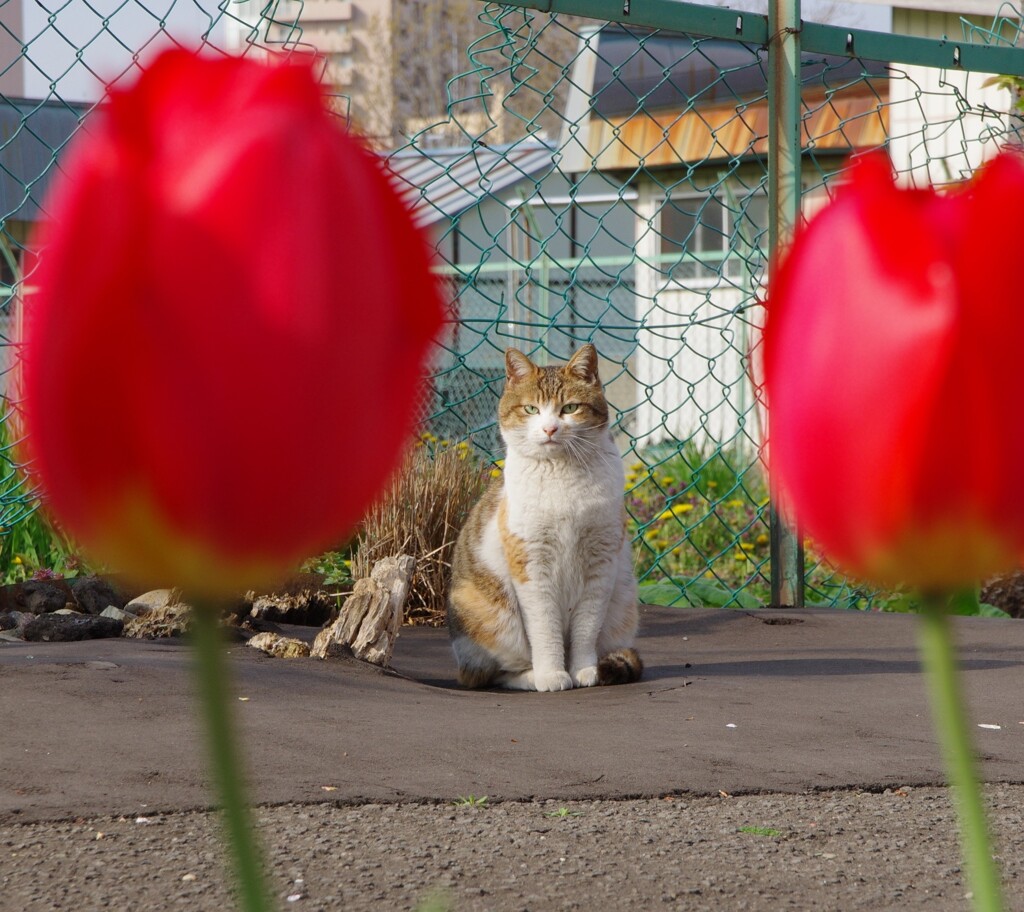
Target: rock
<point>372,615</point>
<point>309,607</point>
<point>151,601</point>
<point>8,620</point>
<point>35,596</point>
<point>93,595</point>
<point>70,611</point>
<point>119,614</point>
<point>62,628</point>
<point>1005,591</point>
<point>166,621</point>
<point>279,646</point>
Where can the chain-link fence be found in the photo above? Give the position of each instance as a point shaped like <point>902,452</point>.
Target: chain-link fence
<point>598,179</point>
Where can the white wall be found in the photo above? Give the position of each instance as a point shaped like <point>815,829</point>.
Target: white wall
<point>943,123</point>
<point>107,32</point>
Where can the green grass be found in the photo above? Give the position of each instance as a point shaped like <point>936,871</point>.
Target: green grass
<point>562,813</point>
<point>471,801</point>
<point>760,831</point>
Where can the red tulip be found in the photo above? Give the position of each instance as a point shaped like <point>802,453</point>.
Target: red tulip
<point>227,328</point>
<point>892,357</point>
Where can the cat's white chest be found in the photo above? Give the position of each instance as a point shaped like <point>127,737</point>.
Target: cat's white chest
<point>561,496</point>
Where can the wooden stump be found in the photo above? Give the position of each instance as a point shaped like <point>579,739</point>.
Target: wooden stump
<point>372,615</point>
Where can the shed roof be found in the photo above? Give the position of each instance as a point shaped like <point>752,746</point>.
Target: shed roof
<point>663,99</point>
<point>439,184</point>
<point>32,133</point>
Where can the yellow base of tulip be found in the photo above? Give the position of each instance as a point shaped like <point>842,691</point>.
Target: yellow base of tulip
<point>137,539</point>
<point>943,557</point>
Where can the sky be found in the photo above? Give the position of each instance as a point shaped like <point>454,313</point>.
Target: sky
<point>834,12</point>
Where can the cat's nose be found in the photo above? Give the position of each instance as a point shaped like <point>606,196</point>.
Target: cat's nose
<point>550,429</point>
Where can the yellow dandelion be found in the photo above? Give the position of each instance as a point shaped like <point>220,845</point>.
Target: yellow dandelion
<point>463,444</point>
<point>740,556</point>
<point>708,574</point>
<point>712,484</point>
<point>495,473</point>
<point>667,480</point>
<point>735,502</point>
<point>676,511</point>
<point>636,467</point>
<point>762,539</point>
<point>747,546</point>
<point>17,560</point>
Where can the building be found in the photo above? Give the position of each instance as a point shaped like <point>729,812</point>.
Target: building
<point>71,52</point>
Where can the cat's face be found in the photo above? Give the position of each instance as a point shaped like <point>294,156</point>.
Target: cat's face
<point>552,412</point>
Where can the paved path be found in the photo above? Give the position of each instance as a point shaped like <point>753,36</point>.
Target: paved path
<point>732,701</point>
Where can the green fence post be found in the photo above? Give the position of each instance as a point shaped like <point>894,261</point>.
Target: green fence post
<point>787,553</point>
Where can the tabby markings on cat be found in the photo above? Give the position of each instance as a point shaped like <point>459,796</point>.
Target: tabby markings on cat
<point>543,594</point>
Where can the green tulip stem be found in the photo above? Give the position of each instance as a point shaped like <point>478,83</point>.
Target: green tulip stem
<point>214,693</point>
<point>939,657</point>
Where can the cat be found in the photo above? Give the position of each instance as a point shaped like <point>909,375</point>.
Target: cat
<point>543,594</point>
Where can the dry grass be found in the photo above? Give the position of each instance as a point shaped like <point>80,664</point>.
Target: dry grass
<point>421,514</point>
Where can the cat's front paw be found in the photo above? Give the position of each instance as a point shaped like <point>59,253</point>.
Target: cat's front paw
<point>585,677</point>
<point>548,681</point>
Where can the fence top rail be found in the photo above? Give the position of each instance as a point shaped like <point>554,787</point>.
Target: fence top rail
<point>752,28</point>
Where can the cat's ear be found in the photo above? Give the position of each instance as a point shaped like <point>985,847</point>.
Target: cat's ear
<point>583,365</point>
<point>517,366</point>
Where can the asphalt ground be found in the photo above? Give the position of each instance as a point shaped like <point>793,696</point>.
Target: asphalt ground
<point>730,701</point>
<point>757,743</point>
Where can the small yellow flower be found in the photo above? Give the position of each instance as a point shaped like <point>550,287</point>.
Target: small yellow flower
<point>667,480</point>
<point>463,445</point>
<point>17,560</point>
<point>500,463</point>
<point>495,473</point>
<point>708,574</point>
<point>712,484</point>
<point>636,467</point>
<point>735,502</point>
<point>763,538</point>
<point>676,511</point>
<point>747,546</point>
<point>740,556</point>
<point>445,443</point>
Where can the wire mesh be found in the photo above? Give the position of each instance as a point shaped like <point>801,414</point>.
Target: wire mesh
<point>583,180</point>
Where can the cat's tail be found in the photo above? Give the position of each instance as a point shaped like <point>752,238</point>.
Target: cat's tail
<point>622,666</point>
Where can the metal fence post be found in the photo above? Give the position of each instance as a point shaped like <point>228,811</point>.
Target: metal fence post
<point>787,553</point>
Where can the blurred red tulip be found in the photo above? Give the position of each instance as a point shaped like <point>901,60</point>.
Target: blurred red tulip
<point>892,357</point>
<point>227,328</point>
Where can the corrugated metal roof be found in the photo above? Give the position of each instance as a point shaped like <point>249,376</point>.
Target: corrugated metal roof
<point>444,183</point>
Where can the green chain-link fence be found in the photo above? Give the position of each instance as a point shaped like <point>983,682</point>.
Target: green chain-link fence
<point>597,171</point>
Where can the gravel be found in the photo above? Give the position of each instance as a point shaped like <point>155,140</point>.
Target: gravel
<point>842,850</point>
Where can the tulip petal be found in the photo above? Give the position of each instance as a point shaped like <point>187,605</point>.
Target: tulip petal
<point>231,320</point>
<point>889,423</point>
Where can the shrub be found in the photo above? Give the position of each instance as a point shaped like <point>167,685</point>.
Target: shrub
<point>420,514</point>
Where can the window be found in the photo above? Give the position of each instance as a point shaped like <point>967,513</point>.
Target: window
<point>705,236</point>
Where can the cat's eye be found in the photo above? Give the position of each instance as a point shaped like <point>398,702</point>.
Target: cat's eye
<point>570,407</point>
<point>531,409</point>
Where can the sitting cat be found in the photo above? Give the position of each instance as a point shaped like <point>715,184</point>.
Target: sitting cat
<point>543,595</point>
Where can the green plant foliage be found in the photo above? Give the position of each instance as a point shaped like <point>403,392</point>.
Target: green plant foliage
<point>30,546</point>
<point>760,831</point>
